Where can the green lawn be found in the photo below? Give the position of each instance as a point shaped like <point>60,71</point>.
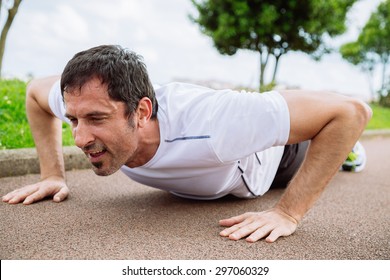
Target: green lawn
<point>380,118</point>
<point>15,131</point>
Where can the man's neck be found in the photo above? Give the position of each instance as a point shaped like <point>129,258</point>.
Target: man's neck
<point>149,143</point>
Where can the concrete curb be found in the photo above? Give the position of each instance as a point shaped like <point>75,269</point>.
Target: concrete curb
<point>376,133</point>
<point>19,162</point>
<point>25,161</point>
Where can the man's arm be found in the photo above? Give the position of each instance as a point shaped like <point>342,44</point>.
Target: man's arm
<point>47,133</point>
<point>334,123</point>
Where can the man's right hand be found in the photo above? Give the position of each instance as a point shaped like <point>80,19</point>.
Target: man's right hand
<point>46,129</point>
<point>52,186</point>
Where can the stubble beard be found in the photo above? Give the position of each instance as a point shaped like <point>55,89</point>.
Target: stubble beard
<point>97,168</point>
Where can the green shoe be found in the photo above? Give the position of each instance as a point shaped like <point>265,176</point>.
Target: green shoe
<point>356,160</point>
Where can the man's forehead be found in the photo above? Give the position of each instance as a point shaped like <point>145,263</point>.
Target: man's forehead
<point>93,85</point>
<point>92,98</point>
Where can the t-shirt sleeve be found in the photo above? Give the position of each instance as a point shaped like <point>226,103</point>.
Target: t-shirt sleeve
<point>245,123</point>
<point>56,102</point>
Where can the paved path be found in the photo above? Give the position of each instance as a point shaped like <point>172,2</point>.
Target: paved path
<point>115,218</point>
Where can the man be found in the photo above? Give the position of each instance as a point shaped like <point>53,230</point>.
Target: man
<point>192,141</point>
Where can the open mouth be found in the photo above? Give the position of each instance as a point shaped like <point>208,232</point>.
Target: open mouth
<point>96,155</point>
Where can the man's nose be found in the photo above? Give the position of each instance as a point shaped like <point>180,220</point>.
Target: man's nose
<point>82,135</point>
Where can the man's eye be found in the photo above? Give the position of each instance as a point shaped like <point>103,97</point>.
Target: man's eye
<point>97,120</point>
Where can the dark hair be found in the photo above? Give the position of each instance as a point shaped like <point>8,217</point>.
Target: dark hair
<point>123,72</point>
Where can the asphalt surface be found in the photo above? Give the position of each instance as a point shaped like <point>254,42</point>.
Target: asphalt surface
<point>115,218</point>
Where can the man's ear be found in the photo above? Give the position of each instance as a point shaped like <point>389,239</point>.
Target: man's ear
<point>144,111</point>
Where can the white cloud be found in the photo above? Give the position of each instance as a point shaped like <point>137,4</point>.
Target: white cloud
<point>69,25</point>
<point>46,34</point>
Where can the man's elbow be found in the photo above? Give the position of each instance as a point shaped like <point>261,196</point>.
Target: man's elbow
<point>30,96</point>
<point>360,113</point>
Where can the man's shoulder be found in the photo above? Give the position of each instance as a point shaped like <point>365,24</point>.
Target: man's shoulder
<point>180,87</point>
<point>182,96</point>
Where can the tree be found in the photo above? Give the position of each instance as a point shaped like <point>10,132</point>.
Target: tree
<point>11,10</point>
<point>372,48</point>
<point>271,27</point>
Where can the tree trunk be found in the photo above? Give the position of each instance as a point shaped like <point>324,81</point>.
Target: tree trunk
<point>385,60</point>
<point>371,85</point>
<point>4,32</point>
<point>263,65</point>
<point>277,57</point>
<point>1,2</point>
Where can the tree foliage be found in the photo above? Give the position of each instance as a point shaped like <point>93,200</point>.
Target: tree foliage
<point>372,48</point>
<point>271,27</point>
<point>11,8</point>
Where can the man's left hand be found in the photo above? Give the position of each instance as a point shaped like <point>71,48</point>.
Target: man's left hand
<point>257,225</point>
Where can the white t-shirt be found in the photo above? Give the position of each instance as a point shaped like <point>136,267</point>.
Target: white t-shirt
<point>212,142</point>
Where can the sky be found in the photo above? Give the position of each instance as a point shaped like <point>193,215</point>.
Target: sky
<point>46,34</point>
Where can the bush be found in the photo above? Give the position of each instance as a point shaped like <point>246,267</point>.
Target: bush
<point>385,100</point>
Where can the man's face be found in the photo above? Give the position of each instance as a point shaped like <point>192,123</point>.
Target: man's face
<point>100,128</point>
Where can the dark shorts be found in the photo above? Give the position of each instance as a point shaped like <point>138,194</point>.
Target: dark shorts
<point>292,159</point>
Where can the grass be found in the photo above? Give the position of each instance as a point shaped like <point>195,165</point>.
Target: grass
<point>381,117</point>
<point>15,131</point>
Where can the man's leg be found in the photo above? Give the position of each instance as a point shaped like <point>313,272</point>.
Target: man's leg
<point>294,155</point>
<point>292,159</point>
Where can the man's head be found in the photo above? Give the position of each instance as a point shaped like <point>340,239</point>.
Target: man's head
<point>111,105</point>
<point>121,70</point>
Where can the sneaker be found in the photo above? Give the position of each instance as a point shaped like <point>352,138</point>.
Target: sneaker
<point>356,160</point>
